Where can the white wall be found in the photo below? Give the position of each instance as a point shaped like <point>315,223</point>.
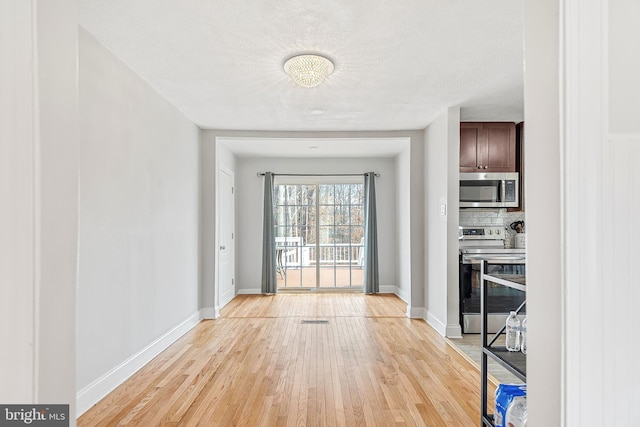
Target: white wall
<point>410,224</point>
<point>453,200</point>
<point>416,182</point>
<point>601,198</point>
<point>442,140</point>
<point>225,157</point>
<point>38,194</point>
<point>212,156</point>
<point>407,245</point>
<point>543,201</point>
<point>138,229</point>
<point>249,197</point>
<point>207,226</point>
<point>436,170</point>
<point>403,229</point>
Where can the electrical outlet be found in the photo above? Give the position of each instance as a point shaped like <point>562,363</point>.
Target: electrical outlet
<point>443,210</point>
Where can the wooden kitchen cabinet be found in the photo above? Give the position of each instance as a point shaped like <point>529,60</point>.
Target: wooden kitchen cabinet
<point>520,164</point>
<point>487,147</point>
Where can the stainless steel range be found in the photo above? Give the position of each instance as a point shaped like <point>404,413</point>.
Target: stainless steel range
<point>478,244</point>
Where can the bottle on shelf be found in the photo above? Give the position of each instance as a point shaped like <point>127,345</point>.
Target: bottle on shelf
<point>516,415</point>
<point>512,342</point>
<point>523,335</point>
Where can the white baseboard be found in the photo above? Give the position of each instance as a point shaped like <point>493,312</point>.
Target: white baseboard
<point>98,389</point>
<point>454,331</point>
<point>253,291</point>
<point>416,312</point>
<point>449,331</point>
<point>209,313</point>
<point>388,289</point>
<point>436,324</point>
<point>403,295</point>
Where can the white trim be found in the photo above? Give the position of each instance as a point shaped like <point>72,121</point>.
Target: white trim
<point>623,136</point>
<point>98,389</point>
<point>388,289</point>
<point>436,324</point>
<point>588,381</point>
<point>286,145</point>
<point>416,312</point>
<point>403,295</point>
<point>453,331</point>
<point>254,291</point>
<point>209,313</point>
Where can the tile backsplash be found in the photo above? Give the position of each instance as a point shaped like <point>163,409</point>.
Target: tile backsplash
<point>471,217</point>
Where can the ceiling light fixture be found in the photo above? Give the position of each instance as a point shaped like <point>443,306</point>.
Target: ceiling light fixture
<point>308,70</point>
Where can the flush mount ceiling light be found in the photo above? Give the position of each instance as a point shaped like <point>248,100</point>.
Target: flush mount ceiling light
<point>308,70</point>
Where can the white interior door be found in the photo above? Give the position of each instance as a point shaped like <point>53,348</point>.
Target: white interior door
<point>226,236</point>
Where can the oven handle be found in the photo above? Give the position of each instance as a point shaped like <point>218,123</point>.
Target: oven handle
<point>493,259</point>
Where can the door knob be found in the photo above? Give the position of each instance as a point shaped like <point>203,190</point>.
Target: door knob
<point>222,248</point>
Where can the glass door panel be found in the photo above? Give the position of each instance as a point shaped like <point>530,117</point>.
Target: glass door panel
<point>325,253</point>
<point>292,216</point>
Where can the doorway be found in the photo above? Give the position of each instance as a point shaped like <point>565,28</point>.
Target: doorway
<point>226,241</point>
<point>319,229</point>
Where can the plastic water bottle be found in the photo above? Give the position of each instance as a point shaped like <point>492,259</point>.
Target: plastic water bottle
<point>513,332</point>
<point>505,393</point>
<point>517,412</point>
<point>523,332</point>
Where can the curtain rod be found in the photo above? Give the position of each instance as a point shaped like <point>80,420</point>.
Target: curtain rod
<point>317,174</point>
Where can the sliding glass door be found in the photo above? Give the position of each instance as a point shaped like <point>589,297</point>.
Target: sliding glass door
<point>319,229</point>
<point>296,236</point>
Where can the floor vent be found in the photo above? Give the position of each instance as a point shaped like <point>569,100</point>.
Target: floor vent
<point>314,322</point>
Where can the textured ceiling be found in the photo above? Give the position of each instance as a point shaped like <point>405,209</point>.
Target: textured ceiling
<point>315,147</point>
<point>398,64</point>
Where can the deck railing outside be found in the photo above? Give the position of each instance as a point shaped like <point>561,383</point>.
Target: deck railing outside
<point>291,255</point>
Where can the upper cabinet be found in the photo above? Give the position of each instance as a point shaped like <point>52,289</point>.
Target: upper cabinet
<point>487,147</point>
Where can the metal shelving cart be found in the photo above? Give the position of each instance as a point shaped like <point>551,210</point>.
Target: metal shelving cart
<point>514,362</point>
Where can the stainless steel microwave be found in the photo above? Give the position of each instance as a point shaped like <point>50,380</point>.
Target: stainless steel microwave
<point>489,190</point>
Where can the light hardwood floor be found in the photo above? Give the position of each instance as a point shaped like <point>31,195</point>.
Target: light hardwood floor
<point>259,364</point>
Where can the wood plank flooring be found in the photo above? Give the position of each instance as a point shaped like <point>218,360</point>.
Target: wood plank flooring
<point>260,365</point>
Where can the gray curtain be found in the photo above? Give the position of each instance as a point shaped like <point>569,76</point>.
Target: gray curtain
<point>269,276</point>
<point>371,279</point>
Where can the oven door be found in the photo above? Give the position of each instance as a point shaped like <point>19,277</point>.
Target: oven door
<point>501,299</point>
